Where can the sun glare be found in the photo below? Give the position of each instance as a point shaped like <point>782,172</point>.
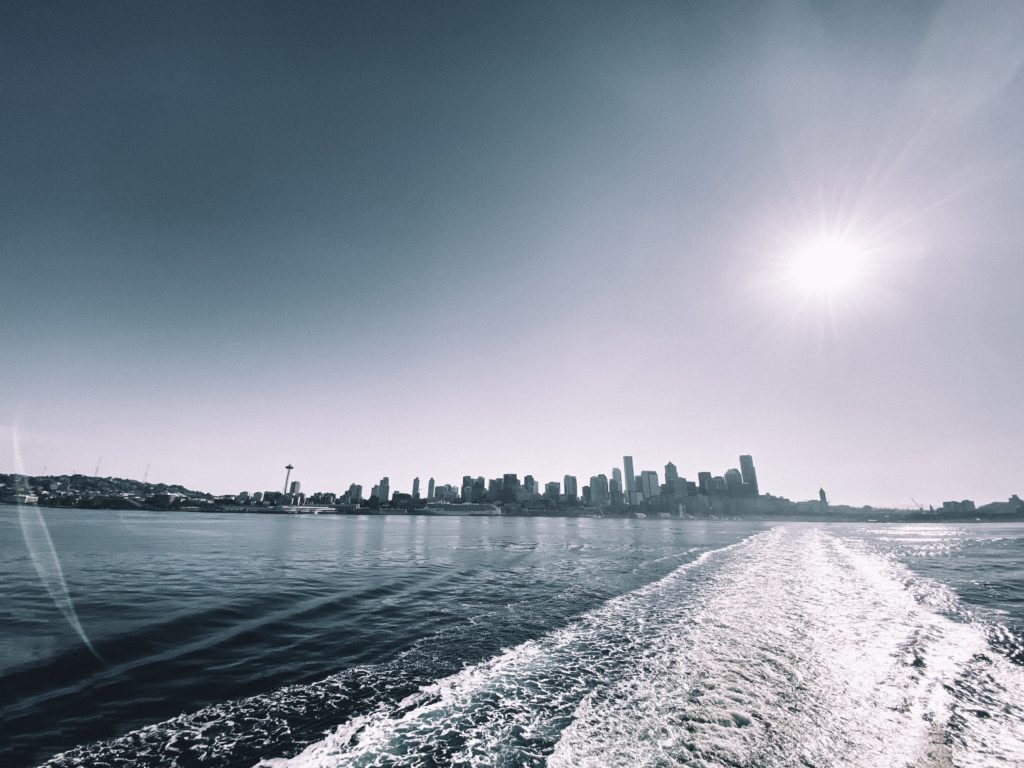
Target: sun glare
<point>827,266</point>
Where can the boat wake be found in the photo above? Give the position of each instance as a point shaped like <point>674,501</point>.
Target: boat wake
<point>791,647</point>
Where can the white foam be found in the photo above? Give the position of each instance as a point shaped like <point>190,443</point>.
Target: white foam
<point>792,647</point>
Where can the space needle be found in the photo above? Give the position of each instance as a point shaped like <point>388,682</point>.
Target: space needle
<point>288,475</point>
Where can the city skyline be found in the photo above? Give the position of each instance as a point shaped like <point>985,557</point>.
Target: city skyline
<point>417,239</point>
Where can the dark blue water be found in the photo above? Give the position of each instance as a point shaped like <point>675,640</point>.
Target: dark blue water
<point>227,640</point>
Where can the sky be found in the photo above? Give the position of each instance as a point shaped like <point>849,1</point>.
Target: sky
<point>437,239</point>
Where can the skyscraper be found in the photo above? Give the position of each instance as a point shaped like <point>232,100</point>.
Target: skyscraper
<point>551,491</point>
<point>749,474</point>
<point>430,489</point>
<point>734,482</point>
<point>627,469</point>
<point>294,487</point>
<point>569,483</point>
<point>649,484</point>
<point>617,476</point>
<point>416,488</point>
<point>671,475</point>
<point>385,490</point>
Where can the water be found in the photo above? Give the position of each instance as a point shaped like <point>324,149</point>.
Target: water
<point>237,640</point>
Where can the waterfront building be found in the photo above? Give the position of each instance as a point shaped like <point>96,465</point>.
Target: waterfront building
<point>530,484</point>
<point>599,490</point>
<point>569,484</point>
<point>627,468</point>
<point>430,489</point>
<point>749,474</point>
<point>294,488</point>
<point>385,489</point>
<point>416,488</point>
<point>649,487</point>
<point>734,482</point>
<point>615,495</point>
<point>552,490</point>
<point>671,475</point>
<point>355,493</point>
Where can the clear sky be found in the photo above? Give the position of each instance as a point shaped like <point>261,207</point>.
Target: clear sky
<point>436,239</point>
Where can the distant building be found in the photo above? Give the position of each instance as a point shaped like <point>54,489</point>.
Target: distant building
<point>416,488</point>
<point>430,489</point>
<point>294,488</point>
<point>569,483</point>
<point>649,486</point>
<point>734,483</point>
<point>749,474</point>
<point>671,475</point>
<point>705,483</point>
<point>599,490</point>
<point>530,484</point>
<point>617,476</point>
<point>551,491</point>
<point>355,493</point>
<point>630,477</point>
<point>385,489</point>
<point>822,497</point>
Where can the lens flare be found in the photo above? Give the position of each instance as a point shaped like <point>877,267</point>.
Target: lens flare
<point>44,558</point>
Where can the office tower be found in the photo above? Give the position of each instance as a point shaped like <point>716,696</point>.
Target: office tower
<point>375,492</point>
<point>430,489</point>
<point>749,474</point>
<point>617,476</point>
<point>671,475</point>
<point>479,489</point>
<point>551,491</point>
<point>822,497</point>
<point>494,489</point>
<point>587,498</point>
<point>295,487</point>
<point>627,470</point>
<point>599,490</point>
<point>649,486</point>
<point>287,475</point>
<point>385,489</point>
<point>416,488</point>
<point>682,487</point>
<point>569,483</point>
<point>615,497</point>
<point>530,484</point>
<point>467,491</point>
<point>705,483</point>
<point>355,493</point>
<point>734,482</point>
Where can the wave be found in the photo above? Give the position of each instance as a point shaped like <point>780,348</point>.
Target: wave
<point>792,647</point>
<point>786,649</point>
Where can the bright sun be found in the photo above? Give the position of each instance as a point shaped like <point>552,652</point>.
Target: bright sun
<point>827,265</point>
